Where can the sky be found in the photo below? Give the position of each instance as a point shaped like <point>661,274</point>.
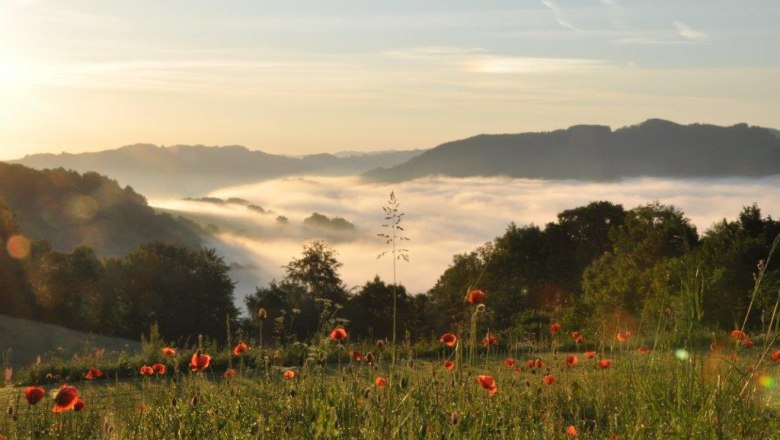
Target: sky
<point>306,76</point>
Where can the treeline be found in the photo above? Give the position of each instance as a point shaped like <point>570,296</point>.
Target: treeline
<point>185,291</point>
<point>598,267</point>
<point>70,209</point>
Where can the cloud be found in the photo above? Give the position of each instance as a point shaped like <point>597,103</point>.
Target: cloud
<point>444,217</point>
<point>558,13</point>
<point>688,33</point>
<point>499,64</point>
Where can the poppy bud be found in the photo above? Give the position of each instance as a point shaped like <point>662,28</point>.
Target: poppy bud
<point>262,314</point>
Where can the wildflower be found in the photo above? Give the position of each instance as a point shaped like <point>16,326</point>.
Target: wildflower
<point>159,369</point>
<point>380,344</point>
<point>80,405</point>
<point>530,363</point>
<point>449,365</point>
<point>571,431</point>
<point>643,349</point>
<point>489,340</point>
<point>589,354</point>
<point>554,327</point>
<point>747,343</point>
<point>146,370</point>
<point>65,399</point>
<point>488,383</point>
<point>549,379</point>
<point>93,373</point>
<point>34,394</point>
<point>448,339</point>
<point>199,361</point>
<point>262,314</point>
<point>229,373</point>
<point>580,340</point>
<point>369,358</point>
<point>169,351</point>
<point>739,335</point>
<point>357,355</point>
<point>475,297</point>
<point>575,335</point>
<point>621,337</point>
<point>240,349</point>
<point>338,334</point>
<point>509,362</point>
<point>538,364</point>
<point>605,363</point>
<point>775,355</point>
<point>289,374</point>
<point>380,382</point>
<point>571,360</point>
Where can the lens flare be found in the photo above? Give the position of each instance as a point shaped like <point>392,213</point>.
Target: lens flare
<point>682,354</point>
<point>18,247</point>
<point>767,381</point>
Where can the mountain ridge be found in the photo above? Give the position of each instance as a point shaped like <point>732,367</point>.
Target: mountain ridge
<point>654,148</point>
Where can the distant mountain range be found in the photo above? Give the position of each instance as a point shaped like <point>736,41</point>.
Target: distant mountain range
<point>184,170</point>
<point>656,148</point>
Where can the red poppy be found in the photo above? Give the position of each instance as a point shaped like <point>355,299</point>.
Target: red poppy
<point>449,365</point>
<point>739,335</point>
<point>605,363</point>
<point>289,374</point>
<point>66,398</point>
<point>475,297</point>
<point>548,379</point>
<point>509,362</point>
<point>338,334</point>
<point>589,354</point>
<point>240,349</point>
<point>357,355</point>
<point>159,369</point>
<point>380,382</point>
<point>538,363</point>
<point>146,370</point>
<point>554,327</point>
<point>530,363</point>
<point>571,360</point>
<point>643,349</point>
<point>199,361</point>
<point>229,373</point>
<point>621,337</point>
<point>34,394</point>
<point>2,437</point>
<point>775,355</point>
<point>571,431</point>
<point>448,339</point>
<point>168,351</point>
<point>747,343</point>
<point>93,373</point>
<point>488,383</point>
<point>489,340</point>
<point>80,405</point>
<point>575,335</point>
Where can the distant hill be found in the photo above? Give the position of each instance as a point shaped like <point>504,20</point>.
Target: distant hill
<point>70,209</point>
<point>590,152</point>
<point>195,170</point>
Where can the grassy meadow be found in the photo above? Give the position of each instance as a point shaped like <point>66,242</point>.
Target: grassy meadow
<point>337,389</point>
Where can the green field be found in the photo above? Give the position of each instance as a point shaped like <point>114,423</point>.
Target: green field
<point>662,394</point>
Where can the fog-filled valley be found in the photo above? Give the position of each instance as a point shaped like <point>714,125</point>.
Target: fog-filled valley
<point>265,225</point>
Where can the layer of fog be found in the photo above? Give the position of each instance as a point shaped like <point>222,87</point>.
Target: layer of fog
<point>444,216</point>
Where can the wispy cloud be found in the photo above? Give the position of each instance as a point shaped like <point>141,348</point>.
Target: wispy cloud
<point>688,33</point>
<point>558,13</point>
<point>502,64</point>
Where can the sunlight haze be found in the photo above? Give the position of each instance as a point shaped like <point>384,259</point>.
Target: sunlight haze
<point>304,77</point>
